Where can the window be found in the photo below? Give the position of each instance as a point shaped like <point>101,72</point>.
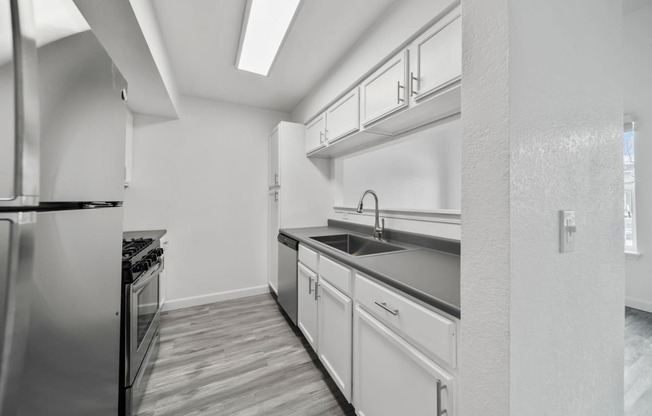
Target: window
<point>630,185</point>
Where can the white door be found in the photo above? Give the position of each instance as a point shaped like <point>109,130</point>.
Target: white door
<point>307,304</point>
<point>436,57</point>
<point>272,233</point>
<point>335,320</point>
<point>315,133</point>
<point>384,92</point>
<point>392,378</point>
<point>343,117</point>
<point>274,175</point>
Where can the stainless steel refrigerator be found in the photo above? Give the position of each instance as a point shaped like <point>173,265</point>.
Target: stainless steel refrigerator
<point>62,138</point>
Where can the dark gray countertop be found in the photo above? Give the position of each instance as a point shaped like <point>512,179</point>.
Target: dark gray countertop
<point>155,234</point>
<point>428,275</point>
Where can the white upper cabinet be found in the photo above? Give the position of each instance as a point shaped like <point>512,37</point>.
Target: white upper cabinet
<point>316,133</point>
<point>418,86</point>
<point>384,91</point>
<point>274,174</point>
<point>436,57</point>
<point>343,117</point>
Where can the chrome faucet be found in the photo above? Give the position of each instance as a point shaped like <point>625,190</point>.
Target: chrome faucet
<point>379,227</point>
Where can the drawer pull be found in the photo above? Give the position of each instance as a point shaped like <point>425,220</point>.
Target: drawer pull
<point>388,309</point>
<point>309,285</point>
<point>440,387</point>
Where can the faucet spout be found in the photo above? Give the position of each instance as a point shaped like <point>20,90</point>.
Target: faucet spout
<point>379,226</point>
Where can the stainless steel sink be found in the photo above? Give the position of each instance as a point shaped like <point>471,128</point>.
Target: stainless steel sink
<point>356,246</point>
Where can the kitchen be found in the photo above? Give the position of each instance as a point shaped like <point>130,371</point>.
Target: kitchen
<point>200,170</point>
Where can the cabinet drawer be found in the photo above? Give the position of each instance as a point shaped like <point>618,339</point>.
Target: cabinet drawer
<point>429,331</point>
<point>308,257</point>
<point>336,274</point>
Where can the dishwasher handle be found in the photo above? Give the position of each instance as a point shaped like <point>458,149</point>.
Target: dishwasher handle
<point>287,241</point>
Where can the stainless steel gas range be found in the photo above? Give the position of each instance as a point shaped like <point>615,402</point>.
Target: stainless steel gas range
<point>142,264</point>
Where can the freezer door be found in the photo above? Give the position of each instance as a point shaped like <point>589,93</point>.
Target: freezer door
<point>83,121</point>
<point>19,118</point>
<point>72,359</point>
<point>16,259</point>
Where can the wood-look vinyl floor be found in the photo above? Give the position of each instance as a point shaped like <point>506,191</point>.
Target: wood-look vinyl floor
<point>638,363</point>
<point>237,358</point>
<point>243,358</point>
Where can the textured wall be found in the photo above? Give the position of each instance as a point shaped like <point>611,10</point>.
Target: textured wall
<point>484,335</point>
<point>542,332</point>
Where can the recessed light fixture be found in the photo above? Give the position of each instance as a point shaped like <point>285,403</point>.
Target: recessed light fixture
<point>264,28</point>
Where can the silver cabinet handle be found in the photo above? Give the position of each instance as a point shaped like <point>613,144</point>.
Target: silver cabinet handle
<point>316,287</point>
<point>26,175</point>
<point>413,91</point>
<point>18,231</point>
<point>321,137</point>
<point>276,179</point>
<point>309,284</point>
<point>440,387</point>
<point>275,196</point>
<point>387,308</point>
<point>326,136</point>
<point>398,92</point>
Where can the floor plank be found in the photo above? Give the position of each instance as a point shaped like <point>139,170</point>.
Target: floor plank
<point>239,358</point>
<point>638,363</point>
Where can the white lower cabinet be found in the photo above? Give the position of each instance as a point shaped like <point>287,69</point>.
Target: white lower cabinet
<point>334,335</point>
<point>307,304</point>
<point>388,355</point>
<point>392,378</point>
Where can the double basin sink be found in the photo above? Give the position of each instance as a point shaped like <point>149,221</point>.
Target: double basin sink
<point>355,245</point>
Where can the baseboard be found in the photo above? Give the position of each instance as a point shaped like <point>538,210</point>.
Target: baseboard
<point>638,304</point>
<point>173,304</point>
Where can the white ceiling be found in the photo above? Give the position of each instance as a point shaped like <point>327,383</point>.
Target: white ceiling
<point>202,38</point>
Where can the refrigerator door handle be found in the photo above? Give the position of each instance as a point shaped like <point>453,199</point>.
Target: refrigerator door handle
<point>26,177</point>
<point>17,257</point>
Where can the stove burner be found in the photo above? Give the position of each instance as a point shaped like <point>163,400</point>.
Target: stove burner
<point>134,246</point>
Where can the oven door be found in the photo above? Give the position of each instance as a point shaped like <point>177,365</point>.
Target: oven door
<point>144,316</point>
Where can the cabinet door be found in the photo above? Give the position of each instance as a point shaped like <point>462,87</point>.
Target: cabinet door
<point>436,57</point>
<point>392,378</point>
<point>315,133</point>
<point>274,174</point>
<point>335,320</point>
<point>343,117</point>
<point>272,233</point>
<point>307,305</point>
<point>384,92</point>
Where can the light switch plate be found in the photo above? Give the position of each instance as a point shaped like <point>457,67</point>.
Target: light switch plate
<point>567,230</point>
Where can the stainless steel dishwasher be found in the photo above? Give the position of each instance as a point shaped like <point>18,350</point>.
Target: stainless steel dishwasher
<point>287,275</point>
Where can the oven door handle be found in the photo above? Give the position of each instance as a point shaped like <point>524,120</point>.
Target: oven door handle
<point>142,281</point>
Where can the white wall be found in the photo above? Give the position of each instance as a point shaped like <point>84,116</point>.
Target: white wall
<point>637,71</point>
<point>541,331</point>
<point>204,179</point>
<point>421,172</point>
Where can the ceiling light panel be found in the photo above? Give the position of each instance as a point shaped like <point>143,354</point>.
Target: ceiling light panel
<point>265,28</point>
